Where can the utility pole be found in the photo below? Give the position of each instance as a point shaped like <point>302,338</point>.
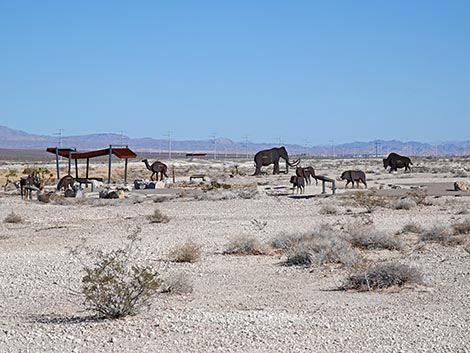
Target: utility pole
<point>246,145</point>
<point>59,133</point>
<point>122,132</point>
<point>332,148</point>
<point>307,145</point>
<point>214,137</point>
<point>169,143</point>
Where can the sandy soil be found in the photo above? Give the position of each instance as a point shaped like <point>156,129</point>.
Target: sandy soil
<point>239,303</point>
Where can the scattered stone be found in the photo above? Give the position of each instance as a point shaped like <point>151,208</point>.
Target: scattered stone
<point>461,186</point>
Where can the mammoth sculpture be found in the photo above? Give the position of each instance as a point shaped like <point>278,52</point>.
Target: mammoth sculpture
<point>272,156</point>
<point>395,161</point>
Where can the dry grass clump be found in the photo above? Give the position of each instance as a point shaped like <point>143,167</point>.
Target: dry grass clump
<point>178,283</point>
<point>441,235</point>
<point>246,245</point>
<point>367,237</point>
<point>405,204</point>
<point>158,217</point>
<point>12,217</point>
<point>419,196</point>
<point>370,201</point>
<point>186,252</point>
<point>328,209</point>
<point>383,276</point>
<point>316,249</point>
<point>247,193</point>
<point>413,228</point>
<point>462,227</point>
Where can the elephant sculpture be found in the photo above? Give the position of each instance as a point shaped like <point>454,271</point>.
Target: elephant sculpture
<point>271,156</point>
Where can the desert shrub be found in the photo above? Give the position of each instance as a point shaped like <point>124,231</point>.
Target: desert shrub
<point>158,217</point>
<point>383,276</point>
<point>405,204</point>
<point>462,227</point>
<point>418,196</point>
<point>367,237</point>
<point>216,185</point>
<point>217,195</point>
<point>441,235</point>
<point>186,252</point>
<point>246,245</point>
<point>177,283</point>
<point>12,217</point>
<point>413,228</point>
<point>319,249</point>
<point>247,193</point>
<point>116,285</point>
<point>258,225</point>
<point>370,201</point>
<point>328,209</point>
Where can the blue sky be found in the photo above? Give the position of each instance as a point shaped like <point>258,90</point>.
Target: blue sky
<point>292,70</point>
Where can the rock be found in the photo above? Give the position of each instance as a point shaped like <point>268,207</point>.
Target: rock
<point>461,186</point>
<point>113,194</point>
<point>69,193</point>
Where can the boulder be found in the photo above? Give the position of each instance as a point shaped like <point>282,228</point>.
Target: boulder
<point>461,186</point>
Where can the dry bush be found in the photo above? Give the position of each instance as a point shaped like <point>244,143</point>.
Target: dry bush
<point>419,196</point>
<point>258,225</point>
<point>383,276</point>
<point>246,245</point>
<point>370,201</point>
<point>116,284</point>
<point>217,195</point>
<point>441,235</point>
<point>405,204</point>
<point>12,217</point>
<point>413,228</point>
<point>186,252</point>
<point>316,249</point>
<point>367,237</point>
<point>328,209</point>
<point>247,193</point>
<point>158,217</point>
<point>178,283</point>
<point>462,227</point>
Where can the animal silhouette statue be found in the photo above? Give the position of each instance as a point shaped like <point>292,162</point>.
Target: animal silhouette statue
<point>299,182</point>
<point>66,182</point>
<point>352,176</point>
<point>307,173</point>
<point>156,167</point>
<point>272,156</point>
<point>395,161</point>
<point>28,181</point>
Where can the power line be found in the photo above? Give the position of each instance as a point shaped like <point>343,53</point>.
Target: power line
<point>169,143</point>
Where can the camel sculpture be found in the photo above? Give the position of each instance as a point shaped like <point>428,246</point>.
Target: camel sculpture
<point>155,168</point>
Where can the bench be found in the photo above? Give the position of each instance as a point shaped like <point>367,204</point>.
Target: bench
<point>198,176</point>
<point>325,180</point>
<point>88,181</point>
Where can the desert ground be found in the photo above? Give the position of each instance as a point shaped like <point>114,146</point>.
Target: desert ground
<point>231,300</point>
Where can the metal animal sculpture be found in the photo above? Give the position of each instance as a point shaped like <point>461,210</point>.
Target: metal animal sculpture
<point>65,183</point>
<point>352,176</point>
<point>395,161</point>
<point>306,173</point>
<point>298,182</point>
<point>28,181</point>
<point>272,156</point>
<point>155,168</point>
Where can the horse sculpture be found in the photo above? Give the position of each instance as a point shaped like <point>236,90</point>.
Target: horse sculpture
<point>28,181</point>
<point>155,168</point>
<point>307,173</point>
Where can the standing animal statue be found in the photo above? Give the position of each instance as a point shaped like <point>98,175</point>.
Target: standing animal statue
<point>65,183</point>
<point>395,161</point>
<point>156,167</point>
<point>272,156</point>
<point>28,181</point>
<point>307,173</point>
<point>352,176</point>
<point>298,182</point>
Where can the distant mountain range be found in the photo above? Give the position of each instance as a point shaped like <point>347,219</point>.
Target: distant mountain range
<point>16,139</point>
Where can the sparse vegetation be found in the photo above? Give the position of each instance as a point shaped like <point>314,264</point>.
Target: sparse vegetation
<point>367,237</point>
<point>441,235</point>
<point>158,217</point>
<point>116,285</point>
<point>462,227</point>
<point>419,196</point>
<point>328,209</point>
<point>186,252</point>
<point>413,228</point>
<point>247,193</point>
<point>258,225</point>
<point>405,204</point>
<point>178,283</point>
<point>246,245</point>
<point>369,200</point>
<point>383,276</point>
<point>12,217</point>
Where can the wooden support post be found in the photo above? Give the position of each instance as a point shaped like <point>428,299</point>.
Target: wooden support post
<point>70,163</point>
<point>87,167</point>
<point>333,187</point>
<point>76,168</point>
<point>109,163</point>
<point>57,163</point>
<point>125,171</point>
<point>173,172</point>
<point>323,189</point>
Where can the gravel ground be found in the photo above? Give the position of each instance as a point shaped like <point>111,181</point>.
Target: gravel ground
<point>239,303</point>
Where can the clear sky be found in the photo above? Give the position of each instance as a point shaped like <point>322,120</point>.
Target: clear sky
<point>295,70</point>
